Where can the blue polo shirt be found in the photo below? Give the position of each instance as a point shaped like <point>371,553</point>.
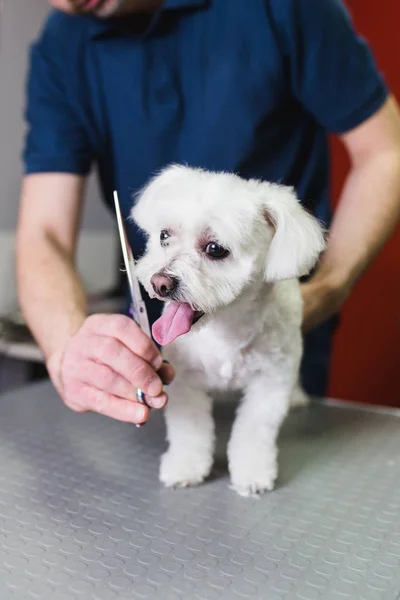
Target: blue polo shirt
<point>250,86</point>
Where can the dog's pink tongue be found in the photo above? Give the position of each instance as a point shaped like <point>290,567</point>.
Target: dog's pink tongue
<point>176,320</point>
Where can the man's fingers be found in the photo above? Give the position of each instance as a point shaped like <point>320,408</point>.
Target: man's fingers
<point>115,407</point>
<point>128,333</point>
<point>103,378</point>
<point>106,379</point>
<point>158,402</point>
<point>111,352</point>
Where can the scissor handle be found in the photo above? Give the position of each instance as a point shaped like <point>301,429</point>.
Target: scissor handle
<point>140,317</point>
<point>143,318</point>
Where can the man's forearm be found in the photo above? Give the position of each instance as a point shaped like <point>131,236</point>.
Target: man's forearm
<point>368,212</point>
<point>369,207</point>
<point>367,215</point>
<point>50,291</point>
<point>51,294</point>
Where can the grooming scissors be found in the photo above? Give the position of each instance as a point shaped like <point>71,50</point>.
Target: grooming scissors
<point>138,307</point>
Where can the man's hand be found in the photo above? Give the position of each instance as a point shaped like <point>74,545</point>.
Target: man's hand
<point>321,300</point>
<point>96,363</point>
<point>102,366</point>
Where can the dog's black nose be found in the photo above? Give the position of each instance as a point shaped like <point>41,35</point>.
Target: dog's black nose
<point>163,285</point>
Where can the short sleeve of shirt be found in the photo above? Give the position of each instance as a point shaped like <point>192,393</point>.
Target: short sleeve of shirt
<point>332,70</point>
<point>56,140</point>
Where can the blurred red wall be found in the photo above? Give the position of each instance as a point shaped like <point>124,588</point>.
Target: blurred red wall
<point>366,358</point>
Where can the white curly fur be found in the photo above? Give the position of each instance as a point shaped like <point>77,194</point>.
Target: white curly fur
<point>249,338</point>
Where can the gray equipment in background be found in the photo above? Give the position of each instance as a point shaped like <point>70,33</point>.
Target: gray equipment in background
<point>20,22</point>
<point>98,251</point>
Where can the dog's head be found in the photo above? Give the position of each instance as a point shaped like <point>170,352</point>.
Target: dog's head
<point>211,234</point>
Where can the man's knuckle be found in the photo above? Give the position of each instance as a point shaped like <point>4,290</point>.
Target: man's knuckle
<point>110,348</point>
<point>140,373</point>
<point>152,380</point>
<point>76,407</point>
<point>95,323</point>
<point>120,323</point>
<point>75,396</point>
<point>69,367</point>
<point>100,402</point>
<point>91,322</point>
<point>145,348</point>
<point>72,388</point>
<point>106,378</point>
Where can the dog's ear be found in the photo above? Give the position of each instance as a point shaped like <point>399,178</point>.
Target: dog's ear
<point>298,237</point>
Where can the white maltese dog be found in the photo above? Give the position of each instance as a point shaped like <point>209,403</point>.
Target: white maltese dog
<point>225,255</point>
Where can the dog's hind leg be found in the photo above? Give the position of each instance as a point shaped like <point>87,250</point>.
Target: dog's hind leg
<point>191,436</point>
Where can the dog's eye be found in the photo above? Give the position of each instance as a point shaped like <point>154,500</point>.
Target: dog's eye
<point>164,235</point>
<point>214,250</point>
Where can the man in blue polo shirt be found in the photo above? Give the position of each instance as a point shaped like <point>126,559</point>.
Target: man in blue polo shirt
<point>251,87</point>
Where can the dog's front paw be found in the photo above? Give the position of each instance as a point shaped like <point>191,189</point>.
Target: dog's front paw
<point>179,469</point>
<point>254,474</point>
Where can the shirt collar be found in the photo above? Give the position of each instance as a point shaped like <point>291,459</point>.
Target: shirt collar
<point>101,27</point>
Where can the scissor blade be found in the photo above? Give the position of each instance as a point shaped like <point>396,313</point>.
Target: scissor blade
<point>124,244</point>
<point>138,306</point>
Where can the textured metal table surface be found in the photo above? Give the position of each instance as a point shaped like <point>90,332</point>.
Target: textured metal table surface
<point>82,515</point>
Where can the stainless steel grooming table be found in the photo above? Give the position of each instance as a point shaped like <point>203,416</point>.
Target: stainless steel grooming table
<point>82,515</point>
